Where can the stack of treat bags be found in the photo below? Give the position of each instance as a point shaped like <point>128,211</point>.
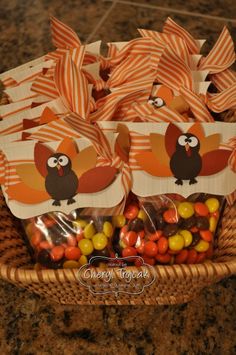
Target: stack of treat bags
<point>75,108</point>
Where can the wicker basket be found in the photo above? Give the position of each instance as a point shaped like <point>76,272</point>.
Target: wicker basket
<point>174,284</point>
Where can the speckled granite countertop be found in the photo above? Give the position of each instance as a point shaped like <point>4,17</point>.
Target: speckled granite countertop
<point>32,325</point>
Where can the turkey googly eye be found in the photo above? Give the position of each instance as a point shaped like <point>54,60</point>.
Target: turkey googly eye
<point>63,160</point>
<point>52,162</point>
<point>159,102</point>
<point>182,140</point>
<point>193,142</point>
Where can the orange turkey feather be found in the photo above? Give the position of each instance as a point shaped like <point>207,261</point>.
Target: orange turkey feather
<point>68,147</point>
<point>96,179</point>
<point>214,161</point>
<point>23,193</point>
<point>41,155</point>
<point>149,163</point>
<point>197,130</point>
<point>209,143</point>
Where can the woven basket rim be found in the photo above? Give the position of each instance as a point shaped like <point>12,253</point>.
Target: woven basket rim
<point>183,271</point>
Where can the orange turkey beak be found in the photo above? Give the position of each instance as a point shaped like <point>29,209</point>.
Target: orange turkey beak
<point>188,150</point>
<point>60,170</point>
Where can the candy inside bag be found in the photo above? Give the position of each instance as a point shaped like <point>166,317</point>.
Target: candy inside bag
<point>169,229</point>
<point>68,241</point>
<point>163,229</point>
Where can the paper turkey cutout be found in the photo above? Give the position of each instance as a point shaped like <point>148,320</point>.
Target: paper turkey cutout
<point>165,97</point>
<point>60,174</point>
<point>184,155</point>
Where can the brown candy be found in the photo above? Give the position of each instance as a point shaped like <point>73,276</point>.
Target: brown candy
<point>202,223</point>
<point>160,221</point>
<point>170,229</point>
<point>136,225</point>
<point>189,223</point>
<point>196,239</point>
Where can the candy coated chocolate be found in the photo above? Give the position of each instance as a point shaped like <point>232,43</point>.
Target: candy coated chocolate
<point>136,225</point>
<point>170,229</point>
<point>202,223</point>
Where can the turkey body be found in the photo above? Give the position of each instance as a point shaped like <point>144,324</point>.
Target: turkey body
<point>62,187</point>
<point>185,167</point>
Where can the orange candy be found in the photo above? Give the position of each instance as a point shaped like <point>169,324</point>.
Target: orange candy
<point>171,215</point>
<point>140,245</point>
<point>149,261</point>
<point>209,252</point>
<point>155,236</point>
<point>200,258</point>
<point>141,234</point>
<point>163,259</point>
<point>130,238</point>
<point>138,263</point>
<point>72,253</point>
<point>131,211</point>
<point>36,238</point>
<point>46,245</point>
<point>162,245</point>
<point>129,251</point>
<point>150,249</point>
<point>192,257</point>
<point>201,209</point>
<point>71,241</point>
<point>182,256</point>
<point>206,235</point>
<point>57,253</point>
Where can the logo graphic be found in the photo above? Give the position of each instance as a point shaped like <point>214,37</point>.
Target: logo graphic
<point>116,276</point>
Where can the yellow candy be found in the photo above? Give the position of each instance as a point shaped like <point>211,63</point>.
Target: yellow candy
<point>188,237</point>
<point>86,246</point>
<point>142,215</point>
<point>186,209</point>
<point>202,246</point>
<point>99,241</point>
<point>118,221</point>
<point>70,264</point>
<point>122,244</point>
<point>213,224</point>
<point>108,229</point>
<point>212,204</point>
<point>83,260</point>
<point>79,223</point>
<point>176,242</point>
<point>89,231</point>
